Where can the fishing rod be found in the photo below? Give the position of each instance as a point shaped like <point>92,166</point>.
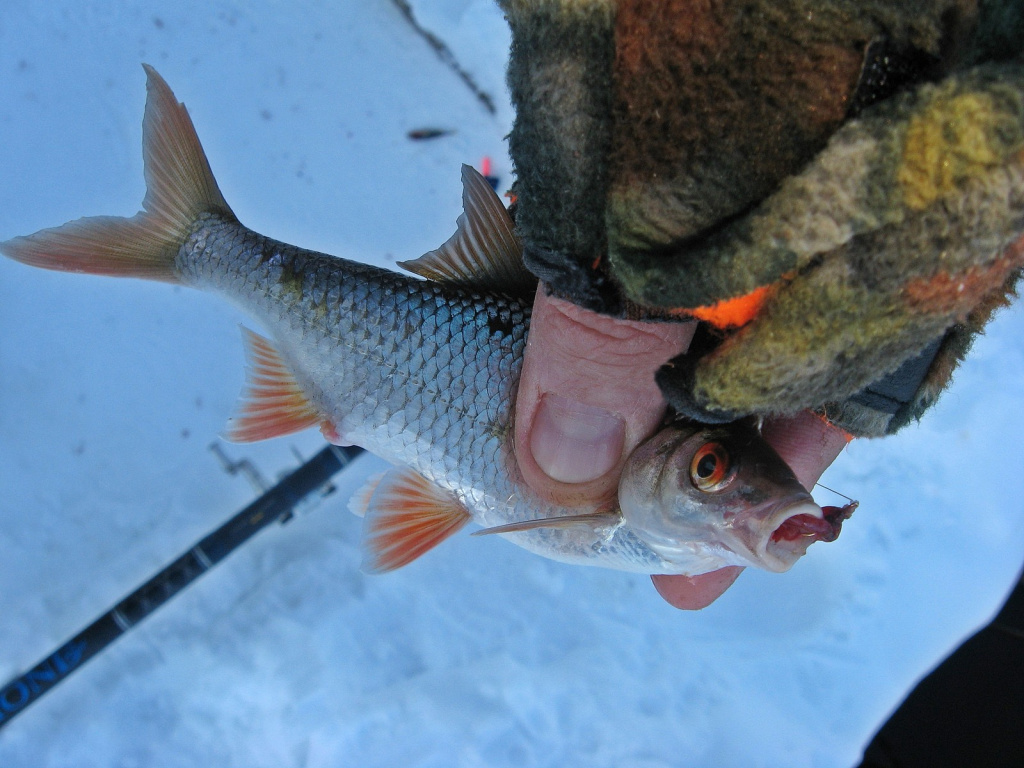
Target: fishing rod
<point>274,505</point>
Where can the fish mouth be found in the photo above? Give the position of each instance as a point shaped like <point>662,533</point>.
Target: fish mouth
<point>791,528</point>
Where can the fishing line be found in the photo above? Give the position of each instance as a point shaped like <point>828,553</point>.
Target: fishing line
<point>833,490</point>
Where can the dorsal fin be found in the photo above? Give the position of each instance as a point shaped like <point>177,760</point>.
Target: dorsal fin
<point>594,519</point>
<point>406,516</point>
<point>273,403</point>
<point>484,254</point>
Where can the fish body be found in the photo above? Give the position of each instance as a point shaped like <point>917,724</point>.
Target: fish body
<point>423,373</point>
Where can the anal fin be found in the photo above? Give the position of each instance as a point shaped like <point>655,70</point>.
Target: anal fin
<point>273,403</point>
<point>407,516</point>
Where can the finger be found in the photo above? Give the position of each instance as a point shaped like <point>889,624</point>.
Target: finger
<point>587,397</point>
<point>809,444</point>
<point>806,442</point>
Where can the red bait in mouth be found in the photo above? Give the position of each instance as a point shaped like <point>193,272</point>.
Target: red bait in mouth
<point>825,528</point>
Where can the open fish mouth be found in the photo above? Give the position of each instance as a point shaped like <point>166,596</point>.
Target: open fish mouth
<point>795,527</point>
<point>824,528</point>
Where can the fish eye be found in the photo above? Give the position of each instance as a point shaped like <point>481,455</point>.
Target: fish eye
<point>709,468</point>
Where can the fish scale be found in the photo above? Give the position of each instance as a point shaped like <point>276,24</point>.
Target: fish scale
<point>424,374</point>
<point>437,399</point>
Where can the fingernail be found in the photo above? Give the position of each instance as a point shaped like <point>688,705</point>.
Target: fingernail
<point>573,442</point>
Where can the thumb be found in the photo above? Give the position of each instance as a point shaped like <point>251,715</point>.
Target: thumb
<point>587,397</point>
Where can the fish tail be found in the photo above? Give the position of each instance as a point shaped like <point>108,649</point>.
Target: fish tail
<point>179,187</point>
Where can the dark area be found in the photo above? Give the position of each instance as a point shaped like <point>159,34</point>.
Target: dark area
<point>889,69</point>
<point>969,711</point>
<point>897,389</point>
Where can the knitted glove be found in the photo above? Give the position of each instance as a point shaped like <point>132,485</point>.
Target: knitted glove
<point>835,188</point>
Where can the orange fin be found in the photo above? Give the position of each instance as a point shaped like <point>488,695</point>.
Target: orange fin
<point>484,254</point>
<point>179,187</point>
<point>593,519</point>
<point>273,403</point>
<point>407,516</point>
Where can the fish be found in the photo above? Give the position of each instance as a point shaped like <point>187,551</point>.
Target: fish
<point>421,369</point>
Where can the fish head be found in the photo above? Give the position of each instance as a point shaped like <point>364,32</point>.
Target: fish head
<point>704,497</point>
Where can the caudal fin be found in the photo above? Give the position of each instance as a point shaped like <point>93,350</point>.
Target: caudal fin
<point>179,187</point>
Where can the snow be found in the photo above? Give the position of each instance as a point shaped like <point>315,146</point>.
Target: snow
<point>479,654</point>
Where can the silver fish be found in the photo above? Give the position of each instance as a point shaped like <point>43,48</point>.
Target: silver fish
<point>423,373</point>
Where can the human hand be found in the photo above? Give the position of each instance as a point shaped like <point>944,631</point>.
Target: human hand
<point>587,398</point>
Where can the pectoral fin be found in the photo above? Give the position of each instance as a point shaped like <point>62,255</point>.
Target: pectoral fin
<point>593,519</point>
<point>359,503</point>
<point>407,516</point>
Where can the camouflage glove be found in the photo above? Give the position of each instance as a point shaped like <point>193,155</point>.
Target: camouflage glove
<point>835,188</point>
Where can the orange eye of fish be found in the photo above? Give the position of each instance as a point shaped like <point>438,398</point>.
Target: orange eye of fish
<point>709,470</point>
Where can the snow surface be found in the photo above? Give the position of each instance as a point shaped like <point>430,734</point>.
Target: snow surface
<point>479,654</point>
